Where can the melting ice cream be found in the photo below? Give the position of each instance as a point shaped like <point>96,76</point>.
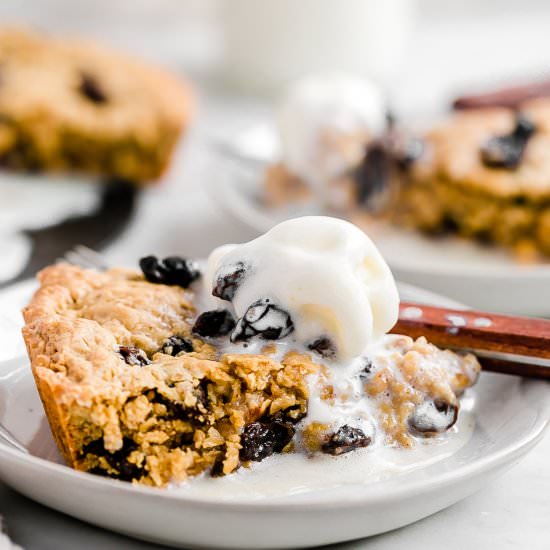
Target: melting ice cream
<point>318,288</point>
<point>317,280</point>
<point>325,123</point>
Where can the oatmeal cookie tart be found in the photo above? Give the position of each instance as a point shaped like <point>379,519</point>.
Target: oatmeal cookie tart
<point>139,386</point>
<point>131,393</point>
<point>484,174</point>
<point>71,105</point>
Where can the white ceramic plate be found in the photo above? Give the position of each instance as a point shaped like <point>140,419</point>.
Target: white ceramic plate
<point>484,277</point>
<point>509,416</point>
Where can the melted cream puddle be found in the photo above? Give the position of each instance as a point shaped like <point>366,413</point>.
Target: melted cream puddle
<point>293,474</point>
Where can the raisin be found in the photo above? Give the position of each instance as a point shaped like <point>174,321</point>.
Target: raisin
<point>284,432</point>
<point>214,323</point>
<point>178,411</point>
<point>201,393</point>
<point>22,155</point>
<point>433,417</point>
<point>228,280</point>
<point>90,88</point>
<point>97,471</point>
<point>346,439</point>
<point>94,447</point>
<point>181,271</point>
<point>128,471</point>
<point>134,356</point>
<point>291,414</point>
<point>366,369</point>
<point>324,346</point>
<point>373,174</point>
<point>181,439</point>
<point>217,467</point>
<point>170,271</point>
<point>519,200</point>
<point>449,225</point>
<point>261,439</point>
<point>263,319</point>
<point>152,269</point>
<point>118,460</point>
<point>257,441</point>
<point>173,409</point>
<point>507,151</point>
<point>175,345</point>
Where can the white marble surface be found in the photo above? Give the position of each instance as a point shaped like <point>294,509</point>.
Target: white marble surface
<point>179,217</point>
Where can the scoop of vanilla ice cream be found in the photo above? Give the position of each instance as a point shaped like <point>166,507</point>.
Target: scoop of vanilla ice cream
<point>324,272</point>
<point>324,123</point>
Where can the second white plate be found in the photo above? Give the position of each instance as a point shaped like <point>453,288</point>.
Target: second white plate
<point>481,276</point>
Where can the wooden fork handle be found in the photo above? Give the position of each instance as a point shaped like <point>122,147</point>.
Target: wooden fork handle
<point>506,366</point>
<point>475,330</point>
<point>511,97</point>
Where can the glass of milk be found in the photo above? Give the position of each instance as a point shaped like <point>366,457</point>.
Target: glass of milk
<point>269,43</point>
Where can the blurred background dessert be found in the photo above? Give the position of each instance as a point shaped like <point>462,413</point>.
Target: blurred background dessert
<point>70,105</point>
<point>406,58</point>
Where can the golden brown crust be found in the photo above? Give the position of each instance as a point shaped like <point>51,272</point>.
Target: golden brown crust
<point>73,105</point>
<point>58,417</point>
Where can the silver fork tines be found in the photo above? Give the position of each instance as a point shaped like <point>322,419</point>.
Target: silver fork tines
<point>85,257</point>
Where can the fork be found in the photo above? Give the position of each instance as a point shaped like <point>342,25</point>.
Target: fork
<point>83,256</point>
